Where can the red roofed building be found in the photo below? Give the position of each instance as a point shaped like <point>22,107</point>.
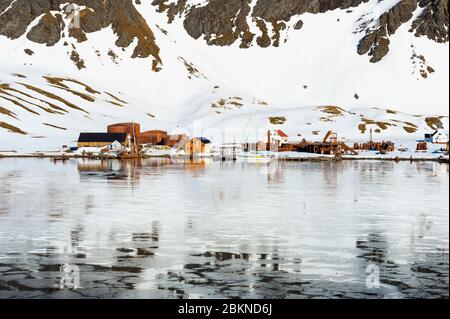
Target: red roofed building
<point>278,136</point>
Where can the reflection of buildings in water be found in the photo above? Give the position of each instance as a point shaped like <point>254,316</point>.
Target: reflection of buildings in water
<point>374,169</point>
<point>76,236</point>
<point>156,162</point>
<point>194,166</point>
<point>275,172</point>
<point>330,173</point>
<point>126,170</point>
<point>7,188</point>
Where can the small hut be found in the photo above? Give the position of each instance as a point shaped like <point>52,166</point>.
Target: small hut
<point>198,146</point>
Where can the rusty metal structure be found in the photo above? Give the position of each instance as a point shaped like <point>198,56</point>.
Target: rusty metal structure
<point>330,145</point>
<point>154,137</point>
<point>134,129</point>
<point>384,146</point>
<point>422,146</point>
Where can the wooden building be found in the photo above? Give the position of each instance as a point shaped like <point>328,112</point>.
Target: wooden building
<point>101,139</point>
<point>198,146</point>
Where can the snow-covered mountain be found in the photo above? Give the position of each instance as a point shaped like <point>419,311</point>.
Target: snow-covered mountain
<point>303,66</point>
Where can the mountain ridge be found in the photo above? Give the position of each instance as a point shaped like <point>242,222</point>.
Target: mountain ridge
<point>170,78</point>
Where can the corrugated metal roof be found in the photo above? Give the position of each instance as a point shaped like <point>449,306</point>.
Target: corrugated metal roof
<point>102,137</point>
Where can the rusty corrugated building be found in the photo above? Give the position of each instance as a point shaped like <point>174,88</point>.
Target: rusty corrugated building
<point>154,137</point>
<point>134,129</point>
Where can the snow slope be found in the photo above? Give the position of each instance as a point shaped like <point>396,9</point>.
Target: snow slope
<point>205,87</point>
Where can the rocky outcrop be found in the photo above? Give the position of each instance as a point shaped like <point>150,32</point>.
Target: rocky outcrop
<point>48,30</point>
<point>223,23</point>
<point>376,41</point>
<point>431,22</point>
<point>120,15</point>
<point>220,22</point>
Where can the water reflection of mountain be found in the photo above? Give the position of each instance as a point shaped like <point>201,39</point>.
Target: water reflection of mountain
<point>405,280</point>
<point>104,273</point>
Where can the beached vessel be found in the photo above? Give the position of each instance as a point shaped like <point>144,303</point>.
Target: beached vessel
<point>255,157</point>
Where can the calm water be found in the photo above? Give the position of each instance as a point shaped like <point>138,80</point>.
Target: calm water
<point>162,229</point>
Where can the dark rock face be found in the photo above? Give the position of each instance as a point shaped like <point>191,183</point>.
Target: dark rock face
<point>48,30</point>
<point>223,23</point>
<point>376,42</point>
<point>121,15</point>
<point>218,22</point>
<point>432,22</point>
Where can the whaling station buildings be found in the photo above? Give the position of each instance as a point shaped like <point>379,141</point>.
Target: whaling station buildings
<point>127,138</point>
<point>130,135</point>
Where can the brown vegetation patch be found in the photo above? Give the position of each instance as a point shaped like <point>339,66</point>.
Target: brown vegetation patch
<point>18,75</point>
<point>60,82</point>
<point>6,87</point>
<point>391,112</point>
<point>384,125</point>
<point>192,70</point>
<point>263,103</point>
<point>333,110</point>
<point>228,104</point>
<point>116,98</point>
<point>115,103</point>
<point>12,128</point>
<point>277,120</point>
<point>17,103</point>
<point>76,93</point>
<point>325,119</point>
<point>411,124</point>
<point>380,124</point>
<point>363,128</point>
<point>7,112</point>
<point>54,126</point>
<point>31,103</point>
<point>434,123</point>
<point>410,129</point>
<point>53,97</point>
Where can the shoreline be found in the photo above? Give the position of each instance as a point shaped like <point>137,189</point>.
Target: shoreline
<point>306,157</point>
